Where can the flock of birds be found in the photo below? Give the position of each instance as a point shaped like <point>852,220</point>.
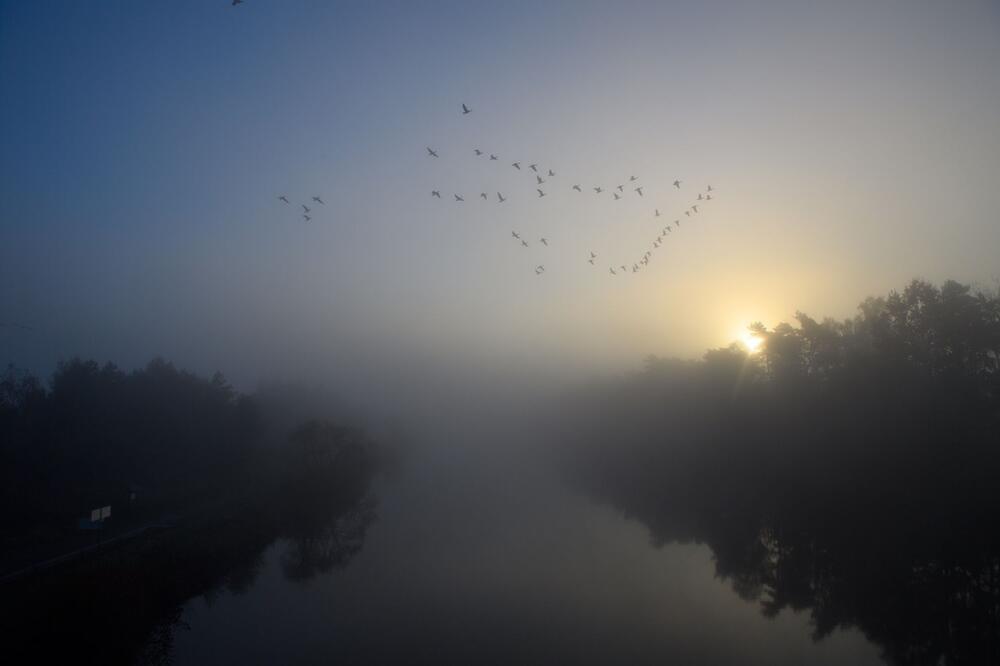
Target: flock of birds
<point>542,178</point>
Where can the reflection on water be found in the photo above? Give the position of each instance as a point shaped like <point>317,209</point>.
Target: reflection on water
<point>480,555</point>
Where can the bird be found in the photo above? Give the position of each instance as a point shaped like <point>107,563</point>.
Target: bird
<point>634,268</point>
<point>540,194</point>
<point>458,198</point>
<point>687,213</point>
<point>577,188</point>
<point>544,241</point>
<point>700,197</point>
<point>709,188</point>
<point>539,269</point>
<point>592,255</point>
<point>551,173</point>
<point>524,243</point>
<point>656,244</point>
<point>319,201</point>
<point>516,165</point>
<point>677,184</point>
<point>708,197</point>
<point>639,190</point>
<point>483,195</point>
<point>515,235</point>
<point>306,216</point>
<point>493,157</point>
<point>431,152</point>
<point>612,271</point>
<point>284,198</point>
<point>539,179</point>
<point>621,188</point>
<point>477,152</point>
<point>501,198</point>
<point>632,179</point>
<point>657,212</point>
<point>694,208</point>
<point>465,110</point>
<point>590,261</point>
<point>533,167</point>
<point>598,190</point>
<point>623,268</point>
<point>306,208</point>
<point>616,196</point>
<point>435,193</point>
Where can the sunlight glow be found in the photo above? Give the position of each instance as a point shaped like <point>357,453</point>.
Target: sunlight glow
<point>751,342</point>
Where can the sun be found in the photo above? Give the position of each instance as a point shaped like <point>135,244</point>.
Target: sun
<point>751,342</point>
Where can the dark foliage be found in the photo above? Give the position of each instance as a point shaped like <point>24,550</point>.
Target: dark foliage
<point>849,468</point>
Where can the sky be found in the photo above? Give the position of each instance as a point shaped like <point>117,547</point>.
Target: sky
<point>851,146</point>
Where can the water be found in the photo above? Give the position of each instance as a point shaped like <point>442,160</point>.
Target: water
<point>479,554</point>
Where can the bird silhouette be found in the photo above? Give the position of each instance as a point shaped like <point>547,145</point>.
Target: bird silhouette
<point>524,243</point>
<point>493,157</point>
<point>577,188</point>
<point>700,197</point>
<point>551,173</point>
<point>708,197</point>
<point>687,213</point>
<point>632,179</point>
<point>590,261</point>
<point>284,198</point>
<point>319,201</point>
<point>501,198</point>
<point>458,198</point>
<point>657,212</point>
<point>621,188</point>
<point>639,190</point>
<point>305,208</point>
<point>709,188</point>
<point>477,152</point>
<point>677,184</point>
<point>615,194</point>
<point>533,167</point>
<point>539,179</point>
<point>465,110</point>
<point>592,255</point>
<point>544,241</point>
<point>539,269</point>
<point>435,193</point>
<point>598,190</point>
<point>306,216</point>
<point>540,194</point>
<point>483,195</point>
<point>612,271</point>
<point>431,152</point>
<point>516,165</point>
<point>515,235</point>
<point>694,208</point>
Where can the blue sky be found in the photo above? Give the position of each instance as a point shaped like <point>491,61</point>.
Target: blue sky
<point>143,145</point>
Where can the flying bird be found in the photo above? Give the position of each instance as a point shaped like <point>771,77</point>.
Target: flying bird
<point>515,235</point>
<point>687,213</point>
<point>516,165</point>
<point>621,188</point>
<point>592,255</point>
<point>539,269</point>
<point>539,179</point>
<point>306,216</point>
<point>540,194</point>
<point>657,212</point>
<point>524,243</point>
<point>709,188</point>
<point>598,190</point>
<point>544,241</point>
<point>465,110</point>
<point>477,152</point>
<point>616,196</point>
<point>708,197</point>
<point>694,208</point>
<point>639,190</point>
<point>633,179</point>
<point>533,167</point>
<point>590,261</point>
<point>501,198</point>
<point>431,152</point>
<point>551,173</point>
<point>458,198</point>
<point>284,198</point>
<point>435,193</point>
<point>305,208</point>
<point>493,157</point>
<point>612,271</point>
<point>319,201</point>
<point>677,184</point>
<point>577,188</point>
<point>483,195</point>
<point>700,197</point>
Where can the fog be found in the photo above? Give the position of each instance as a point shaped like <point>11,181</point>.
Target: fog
<point>282,290</point>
